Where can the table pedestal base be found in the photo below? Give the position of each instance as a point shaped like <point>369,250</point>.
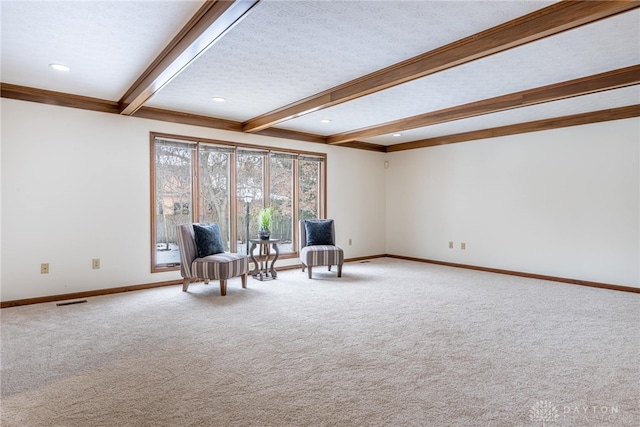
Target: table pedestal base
<point>262,269</point>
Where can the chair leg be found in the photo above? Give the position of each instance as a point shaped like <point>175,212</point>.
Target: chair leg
<point>244,280</point>
<point>223,287</point>
<point>185,284</point>
<point>339,270</point>
<point>328,268</point>
<point>303,267</point>
<point>309,272</point>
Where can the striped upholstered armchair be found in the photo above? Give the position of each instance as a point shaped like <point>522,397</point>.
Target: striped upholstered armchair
<point>317,245</point>
<point>202,256</point>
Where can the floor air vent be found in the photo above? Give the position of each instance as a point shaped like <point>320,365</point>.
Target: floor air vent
<point>71,302</point>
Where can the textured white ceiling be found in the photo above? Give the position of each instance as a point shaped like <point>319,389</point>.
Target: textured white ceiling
<point>286,50</point>
<point>107,44</point>
<point>599,47</point>
<point>583,104</point>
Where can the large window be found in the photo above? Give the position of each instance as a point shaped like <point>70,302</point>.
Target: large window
<point>172,199</point>
<point>251,193</point>
<point>311,202</point>
<point>214,188</point>
<point>282,195</point>
<point>214,181</point>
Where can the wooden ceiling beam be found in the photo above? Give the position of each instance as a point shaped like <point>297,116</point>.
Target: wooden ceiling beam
<point>24,93</point>
<point>60,99</point>
<point>292,134</point>
<point>534,26</point>
<point>360,145</point>
<point>187,119</point>
<point>210,23</point>
<point>534,126</point>
<point>615,79</point>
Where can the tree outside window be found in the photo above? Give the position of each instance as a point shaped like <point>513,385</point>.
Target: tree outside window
<point>173,198</point>
<point>281,196</point>
<point>214,189</point>
<point>309,196</point>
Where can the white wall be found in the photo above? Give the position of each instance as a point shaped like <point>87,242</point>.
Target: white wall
<point>75,186</point>
<point>563,203</point>
<point>357,201</point>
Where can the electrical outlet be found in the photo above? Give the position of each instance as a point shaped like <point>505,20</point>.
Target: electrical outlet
<point>349,242</point>
<point>463,246</point>
<point>450,245</point>
<point>44,268</point>
<point>95,263</point>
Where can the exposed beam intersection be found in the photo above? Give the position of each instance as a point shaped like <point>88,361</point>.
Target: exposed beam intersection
<point>210,23</point>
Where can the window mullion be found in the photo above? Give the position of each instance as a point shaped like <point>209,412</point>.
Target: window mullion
<point>195,185</point>
<point>322,199</point>
<point>266,179</point>
<point>296,203</point>
<point>233,202</point>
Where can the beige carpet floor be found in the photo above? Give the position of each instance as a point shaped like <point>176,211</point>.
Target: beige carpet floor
<point>391,343</point>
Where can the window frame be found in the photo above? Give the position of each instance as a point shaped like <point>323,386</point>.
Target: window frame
<point>234,185</point>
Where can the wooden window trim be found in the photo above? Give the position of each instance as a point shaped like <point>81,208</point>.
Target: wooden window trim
<point>233,184</point>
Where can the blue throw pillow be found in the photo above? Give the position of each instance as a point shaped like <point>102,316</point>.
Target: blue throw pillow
<point>208,239</point>
<point>319,231</point>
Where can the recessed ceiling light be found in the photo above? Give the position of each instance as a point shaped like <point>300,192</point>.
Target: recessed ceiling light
<point>397,134</point>
<point>218,99</point>
<point>325,121</point>
<point>59,67</point>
